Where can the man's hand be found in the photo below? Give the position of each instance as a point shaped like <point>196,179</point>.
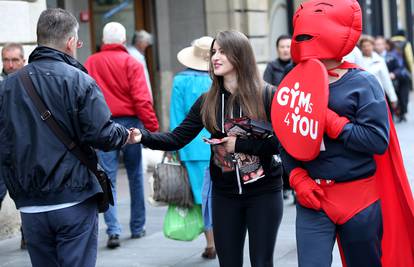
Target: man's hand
<point>334,124</point>
<point>229,143</point>
<point>135,136</point>
<point>307,190</point>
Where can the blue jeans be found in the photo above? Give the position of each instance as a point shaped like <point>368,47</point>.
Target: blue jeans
<point>63,238</point>
<point>132,155</point>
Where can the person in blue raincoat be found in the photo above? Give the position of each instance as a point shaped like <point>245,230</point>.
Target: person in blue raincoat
<point>187,87</point>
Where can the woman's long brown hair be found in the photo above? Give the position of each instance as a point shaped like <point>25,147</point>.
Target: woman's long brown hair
<point>248,94</point>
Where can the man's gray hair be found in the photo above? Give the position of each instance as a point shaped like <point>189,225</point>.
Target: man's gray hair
<point>55,26</point>
<point>10,46</point>
<point>141,36</point>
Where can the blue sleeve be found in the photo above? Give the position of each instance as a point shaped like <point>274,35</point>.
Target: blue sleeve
<point>177,107</point>
<point>368,132</point>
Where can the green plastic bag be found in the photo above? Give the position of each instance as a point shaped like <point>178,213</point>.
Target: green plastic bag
<point>184,224</point>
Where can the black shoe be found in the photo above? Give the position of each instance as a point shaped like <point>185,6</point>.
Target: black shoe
<point>138,235</point>
<point>113,242</point>
<point>23,245</point>
<point>294,197</point>
<point>209,253</point>
<point>402,118</point>
<point>285,194</point>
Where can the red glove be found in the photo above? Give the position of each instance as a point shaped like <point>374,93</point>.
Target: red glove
<point>334,124</point>
<point>307,191</point>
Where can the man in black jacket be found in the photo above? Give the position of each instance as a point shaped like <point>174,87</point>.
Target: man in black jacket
<point>12,57</point>
<point>275,70</point>
<point>54,191</point>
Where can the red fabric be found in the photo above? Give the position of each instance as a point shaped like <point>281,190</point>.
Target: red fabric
<point>308,192</point>
<point>334,123</point>
<point>122,81</point>
<point>397,206</point>
<point>299,109</point>
<point>341,201</point>
<point>332,28</point>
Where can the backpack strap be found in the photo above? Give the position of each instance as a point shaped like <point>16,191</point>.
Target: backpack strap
<point>268,91</point>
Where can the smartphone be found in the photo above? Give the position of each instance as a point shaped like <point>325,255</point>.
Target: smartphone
<point>212,141</point>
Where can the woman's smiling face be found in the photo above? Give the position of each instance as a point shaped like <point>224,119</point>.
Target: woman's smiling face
<point>220,62</point>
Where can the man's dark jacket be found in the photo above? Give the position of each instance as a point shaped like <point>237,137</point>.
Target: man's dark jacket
<point>36,167</point>
<point>275,71</point>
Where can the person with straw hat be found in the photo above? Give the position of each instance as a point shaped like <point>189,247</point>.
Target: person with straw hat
<point>188,86</point>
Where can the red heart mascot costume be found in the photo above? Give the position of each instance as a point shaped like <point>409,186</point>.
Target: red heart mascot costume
<point>340,147</point>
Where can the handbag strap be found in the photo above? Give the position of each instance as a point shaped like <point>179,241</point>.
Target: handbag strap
<point>48,118</point>
<point>164,156</point>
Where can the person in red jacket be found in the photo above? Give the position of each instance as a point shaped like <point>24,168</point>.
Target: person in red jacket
<point>122,80</point>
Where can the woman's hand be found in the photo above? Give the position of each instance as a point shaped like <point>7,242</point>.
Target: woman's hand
<point>229,143</point>
<point>135,136</point>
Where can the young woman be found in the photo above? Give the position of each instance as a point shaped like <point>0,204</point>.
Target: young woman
<point>242,201</point>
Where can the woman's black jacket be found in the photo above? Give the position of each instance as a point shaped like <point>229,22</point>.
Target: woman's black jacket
<point>224,182</point>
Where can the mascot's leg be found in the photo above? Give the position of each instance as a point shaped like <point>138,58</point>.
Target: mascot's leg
<point>315,237</point>
<point>360,238</point>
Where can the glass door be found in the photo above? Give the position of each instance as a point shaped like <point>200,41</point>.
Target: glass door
<point>104,11</point>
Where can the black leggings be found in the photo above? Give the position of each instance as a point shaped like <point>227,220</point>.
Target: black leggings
<point>260,215</point>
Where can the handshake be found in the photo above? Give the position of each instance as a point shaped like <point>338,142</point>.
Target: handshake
<point>134,136</point>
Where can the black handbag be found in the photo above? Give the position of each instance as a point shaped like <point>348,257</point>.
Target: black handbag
<point>105,198</point>
<point>171,184</point>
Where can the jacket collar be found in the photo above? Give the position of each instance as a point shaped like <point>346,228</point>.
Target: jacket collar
<point>44,52</point>
<point>114,47</point>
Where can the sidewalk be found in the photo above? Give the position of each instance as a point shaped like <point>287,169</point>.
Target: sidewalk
<point>154,250</point>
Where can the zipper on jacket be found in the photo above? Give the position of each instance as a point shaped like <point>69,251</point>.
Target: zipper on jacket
<point>238,179</point>
<point>234,160</point>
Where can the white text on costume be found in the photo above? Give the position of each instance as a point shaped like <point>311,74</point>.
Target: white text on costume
<point>300,104</point>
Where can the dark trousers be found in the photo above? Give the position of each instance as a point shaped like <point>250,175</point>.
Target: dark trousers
<point>403,94</point>
<point>63,238</point>
<point>260,215</point>
<point>360,237</point>
<point>3,190</point>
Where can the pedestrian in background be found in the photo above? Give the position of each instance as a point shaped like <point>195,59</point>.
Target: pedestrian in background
<point>141,40</point>
<point>242,202</point>
<point>12,57</point>
<point>276,69</point>
<point>188,86</point>
<point>122,80</point>
<point>399,74</point>
<point>375,64</point>
<point>405,48</point>
<point>54,191</point>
